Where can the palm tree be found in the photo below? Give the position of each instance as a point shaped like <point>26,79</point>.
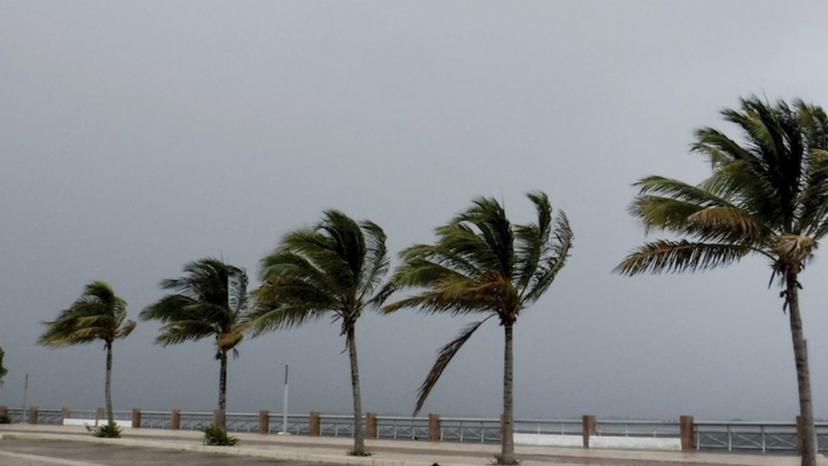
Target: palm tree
<point>767,196</point>
<point>209,300</point>
<point>3,370</point>
<point>334,268</point>
<point>481,264</point>
<point>99,314</point>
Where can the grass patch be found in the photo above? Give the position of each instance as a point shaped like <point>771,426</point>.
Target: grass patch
<point>498,459</point>
<point>108,431</point>
<point>215,436</point>
<point>359,452</point>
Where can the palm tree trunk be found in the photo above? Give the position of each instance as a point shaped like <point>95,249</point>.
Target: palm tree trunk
<point>110,417</point>
<point>803,374</point>
<point>222,401</point>
<point>359,437</point>
<point>507,443</point>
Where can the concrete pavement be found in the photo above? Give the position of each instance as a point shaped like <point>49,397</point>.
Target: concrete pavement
<point>387,452</point>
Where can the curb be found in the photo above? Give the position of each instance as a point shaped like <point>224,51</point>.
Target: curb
<point>233,451</point>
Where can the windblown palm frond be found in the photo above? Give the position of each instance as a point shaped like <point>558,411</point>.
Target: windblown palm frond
<point>3,370</point>
<point>99,314</point>
<point>482,264</point>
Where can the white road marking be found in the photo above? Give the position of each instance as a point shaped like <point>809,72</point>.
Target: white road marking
<point>48,459</point>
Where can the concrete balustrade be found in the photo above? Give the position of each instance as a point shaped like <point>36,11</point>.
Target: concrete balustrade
<point>434,427</point>
<point>687,429</point>
<point>314,424</point>
<point>175,419</point>
<point>371,425</point>
<point>264,421</point>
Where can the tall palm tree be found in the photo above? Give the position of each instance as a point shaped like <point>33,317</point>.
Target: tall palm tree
<point>483,265</point>
<point>3,370</point>
<point>334,268</point>
<point>99,314</point>
<point>767,196</point>
<point>209,300</point>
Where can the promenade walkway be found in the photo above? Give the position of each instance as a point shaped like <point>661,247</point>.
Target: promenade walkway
<point>389,452</point>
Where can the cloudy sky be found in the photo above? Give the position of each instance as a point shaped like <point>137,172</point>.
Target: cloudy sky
<point>137,136</point>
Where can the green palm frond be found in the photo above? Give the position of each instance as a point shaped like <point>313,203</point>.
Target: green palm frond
<point>769,186</point>
<point>336,267</point>
<point>481,263</point>
<point>679,256</point>
<point>98,314</point>
<point>444,357</point>
<point>208,300</point>
<point>3,370</point>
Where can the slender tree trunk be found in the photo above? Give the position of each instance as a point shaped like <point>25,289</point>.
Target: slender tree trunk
<point>110,417</point>
<point>507,442</point>
<point>222,401</point>
<point>359,436</point>
<point>803,374</point>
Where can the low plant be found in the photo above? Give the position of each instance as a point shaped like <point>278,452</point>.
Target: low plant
<point>359,452</point>
<point>108,431</point>
<point>5,419</point>
<point>215,436</point>
<point>498,459</point>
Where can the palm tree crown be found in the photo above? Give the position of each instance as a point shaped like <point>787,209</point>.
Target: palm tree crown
<point>767,195</point>
<point>99,314</point>
<point>3,370</point>
<point>335,268</point>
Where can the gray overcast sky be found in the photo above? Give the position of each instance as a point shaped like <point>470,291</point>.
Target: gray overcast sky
<point>137,136</point>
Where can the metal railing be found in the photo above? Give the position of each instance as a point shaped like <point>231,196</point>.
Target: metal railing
<point>769,437</point>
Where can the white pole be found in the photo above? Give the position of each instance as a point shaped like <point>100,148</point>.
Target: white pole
<point>285,405</point>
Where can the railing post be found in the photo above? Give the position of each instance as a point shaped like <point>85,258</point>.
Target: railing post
<point>800,436</point>
<point>371,430</point>
<point>33,415</point>
<point>588,427</point>
<point>264,421</point>
<point>219,419</point>
<point>136,418</point>
<point>175,419</point>
<point>314,424</point>
<point>99,414</point>
<point>433,427</point>
<point>688,432</point>
<point>65,413</point>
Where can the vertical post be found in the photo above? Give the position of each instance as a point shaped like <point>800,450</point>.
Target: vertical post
<point>4,410</point>
<point>800,436</point>
<point>218,417</point>
<point>65,414</point>
<point>136,418</point>
<point>588,427</point>
<point>25,391</point>
<point>433,427</point>
<point>264,421</point>
<point>688,432</point>
<point>33,415</point>
<point>175,419</point>
<point>371,425</point>
<point>99,414</point>
<point>314,424</point>
<point>285,404</point>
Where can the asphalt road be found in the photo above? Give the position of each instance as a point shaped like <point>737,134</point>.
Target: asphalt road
<point>50,453</point>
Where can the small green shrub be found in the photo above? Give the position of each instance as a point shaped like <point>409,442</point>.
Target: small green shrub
<point>108,431</point>
<point>499,460</point>
<point>213,435</point>
<point>359,453</point>
<point>5,419</point>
